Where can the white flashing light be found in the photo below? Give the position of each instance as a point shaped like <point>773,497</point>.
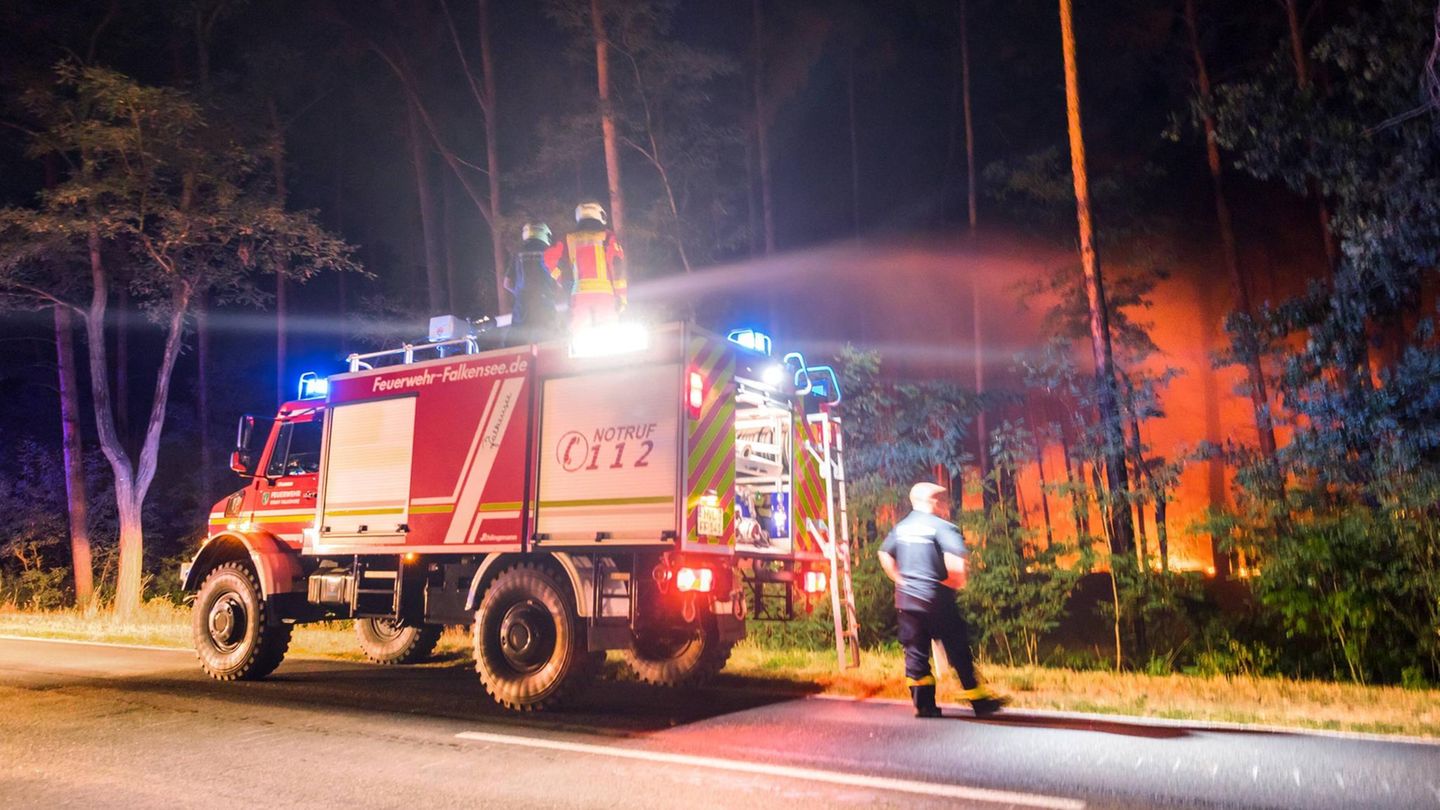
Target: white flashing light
<point>609,339</point>
<point>694,580</point>
<point>751,339</point>
<point>815,581</point>
<point>313,386</point>
<point>772,375</point>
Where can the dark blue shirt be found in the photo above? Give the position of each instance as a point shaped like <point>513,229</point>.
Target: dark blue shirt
<point>919,544</point>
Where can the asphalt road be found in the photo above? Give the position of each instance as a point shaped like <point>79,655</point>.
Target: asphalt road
<point>102,726</point>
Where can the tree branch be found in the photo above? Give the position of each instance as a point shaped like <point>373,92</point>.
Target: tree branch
<point>480,97</point>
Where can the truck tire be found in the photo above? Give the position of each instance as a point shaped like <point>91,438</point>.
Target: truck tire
<point>388,641</point>
<point>229,626</point>
<point>530,650</point>
<point>679,658</point>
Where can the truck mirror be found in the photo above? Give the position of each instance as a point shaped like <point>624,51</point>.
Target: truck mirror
<point>824,385</point>
<point>249,443</point>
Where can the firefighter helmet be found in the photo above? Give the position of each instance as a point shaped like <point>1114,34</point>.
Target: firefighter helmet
<point>590,210</point>
<point>535,230</point>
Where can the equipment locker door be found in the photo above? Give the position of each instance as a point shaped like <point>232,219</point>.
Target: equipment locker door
<point>365,491</point>
<point>608,458</point>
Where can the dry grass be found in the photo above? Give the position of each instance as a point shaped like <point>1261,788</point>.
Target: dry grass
<point>165,624</point>
<point>1267,701</point>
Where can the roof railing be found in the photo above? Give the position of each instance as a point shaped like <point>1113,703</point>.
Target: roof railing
<point>406,353</point>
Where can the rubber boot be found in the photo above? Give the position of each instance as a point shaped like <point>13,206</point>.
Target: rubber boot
<point>985,702</point>
<point>924,699</point>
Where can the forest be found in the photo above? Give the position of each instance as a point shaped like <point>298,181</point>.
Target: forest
<point>200,199</point>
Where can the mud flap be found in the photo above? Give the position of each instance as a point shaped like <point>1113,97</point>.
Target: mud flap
<point>729,627</point>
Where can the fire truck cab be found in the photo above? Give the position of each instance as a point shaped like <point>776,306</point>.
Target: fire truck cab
<point>633,489</point>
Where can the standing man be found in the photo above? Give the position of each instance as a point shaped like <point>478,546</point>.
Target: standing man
<point>592,258</point>
<point>925,556</point>
<point>532,317</point>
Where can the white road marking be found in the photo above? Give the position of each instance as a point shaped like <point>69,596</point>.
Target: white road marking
<point>1254,773</point>
<point>1339,780</point>
<point>1176,766</point>
<point>83,642</point>
<point>786,772</point>
<point>1296,773</point>
<point>1161,722</point>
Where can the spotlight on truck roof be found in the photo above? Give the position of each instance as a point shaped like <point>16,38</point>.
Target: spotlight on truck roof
<point>773,375</point>
<point>609,339</point>
<point>447,327</point>
<point>313,386</point>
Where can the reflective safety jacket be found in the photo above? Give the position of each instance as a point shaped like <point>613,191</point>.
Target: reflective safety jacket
<point>594,261</point>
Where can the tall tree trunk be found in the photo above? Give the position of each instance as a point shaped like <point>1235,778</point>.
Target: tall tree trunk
<point>276,149</point>
<point>1214,432</point>
<point>202,398</point>
<point>1162,531</point>
<point>752,209</point>
<point>420,161</point>
<point>74,458</point>
<point>1079,505</point>
<point>1137,459</point>
<point>492,162</point>
<point>448,233</point>
<point>1044,484</point>
<point>972,214</point>
<point>854,147</point>
<point>111,445</point>
<point>607,120</point>
<point>132,480</point>
<point>1121,530</point>
<point>1259,399</point>
<point>762,129</point>
<point>1302,80</point>
<point>122,364</point>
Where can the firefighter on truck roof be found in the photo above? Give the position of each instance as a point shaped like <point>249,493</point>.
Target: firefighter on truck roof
<point>592,259</point>
<point>535,292</point>
<point>925,556</point>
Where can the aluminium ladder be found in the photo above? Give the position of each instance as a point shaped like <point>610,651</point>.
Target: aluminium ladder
<point>842,592</point>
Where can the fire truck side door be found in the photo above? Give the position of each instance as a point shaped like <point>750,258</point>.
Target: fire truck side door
<point>285,505</point>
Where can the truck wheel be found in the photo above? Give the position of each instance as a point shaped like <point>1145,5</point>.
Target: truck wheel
<point>232,636</point>
<point>529,642</point>
<point>687,657</point>
<point>388,641</point>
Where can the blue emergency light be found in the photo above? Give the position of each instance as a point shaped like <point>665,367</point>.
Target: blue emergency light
<point>750,339</point>
<point>313,386</point>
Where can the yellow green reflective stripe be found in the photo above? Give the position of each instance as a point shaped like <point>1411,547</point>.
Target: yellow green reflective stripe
<point>277,518</point>
<point>610,501</point>
<point>357,512</point>
<point>928,680</point>
<point>441,508</point>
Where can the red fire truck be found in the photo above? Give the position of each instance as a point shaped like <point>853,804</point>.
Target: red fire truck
<point>635,489</point>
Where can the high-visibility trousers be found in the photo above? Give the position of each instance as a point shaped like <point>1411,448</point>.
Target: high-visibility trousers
<point>593,309</point>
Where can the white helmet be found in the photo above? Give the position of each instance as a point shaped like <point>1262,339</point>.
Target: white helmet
<point>590,210</point>
<point>535,230</point>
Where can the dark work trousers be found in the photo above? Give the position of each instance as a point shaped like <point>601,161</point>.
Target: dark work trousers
<point>941,622</point>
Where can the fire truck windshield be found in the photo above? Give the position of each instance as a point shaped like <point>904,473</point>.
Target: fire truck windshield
<point>297,449</point>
